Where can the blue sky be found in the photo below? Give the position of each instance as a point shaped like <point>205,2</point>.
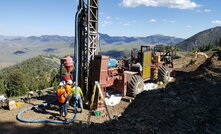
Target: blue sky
<point>180,18</point>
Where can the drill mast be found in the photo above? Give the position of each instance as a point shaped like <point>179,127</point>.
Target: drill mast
<point>88,40</point>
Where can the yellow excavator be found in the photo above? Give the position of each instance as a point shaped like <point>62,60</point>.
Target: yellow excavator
<point>149,63</point>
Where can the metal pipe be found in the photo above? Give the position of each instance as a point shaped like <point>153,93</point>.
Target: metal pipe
<point>77,54</point>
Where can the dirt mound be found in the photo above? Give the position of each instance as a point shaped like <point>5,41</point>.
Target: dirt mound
<point>211,69</point>
<point>193,62</point>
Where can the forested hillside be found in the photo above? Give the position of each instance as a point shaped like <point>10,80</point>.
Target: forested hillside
<point>32,74</point>
<point>202,40</point>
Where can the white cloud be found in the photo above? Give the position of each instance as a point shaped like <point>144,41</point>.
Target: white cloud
<point>207,10</point>
<point>126,24</point>
<point>204,11</point>
<point>172,21</point>
<point>216,22</point>
<point>188,26</point>
<point>153,20</point>
<point>108,17</point>
<point>180,4</point>
<point>107,22</point>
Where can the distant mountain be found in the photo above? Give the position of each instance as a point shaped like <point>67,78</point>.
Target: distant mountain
<point>15,49</point>
<point>104,39</point>
<point>51,38</point>
<point>153,39</point>
<point>206,37</point>
<point>40,39</point>
<point>7,37</point>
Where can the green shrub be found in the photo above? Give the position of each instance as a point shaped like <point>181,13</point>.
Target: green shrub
<point>16,84</point>
<point>2,88</point>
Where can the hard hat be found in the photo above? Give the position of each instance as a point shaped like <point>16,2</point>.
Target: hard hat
<point>62,83</point>
<point>70,82</point>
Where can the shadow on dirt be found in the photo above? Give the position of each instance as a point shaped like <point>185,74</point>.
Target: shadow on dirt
<point>14,128</point>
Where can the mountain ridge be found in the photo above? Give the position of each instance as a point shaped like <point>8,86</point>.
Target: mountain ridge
<point>16,49</point>
<point>206,37</point>
<point>104,38</point>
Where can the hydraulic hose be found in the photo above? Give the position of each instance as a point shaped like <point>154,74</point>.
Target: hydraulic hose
<point>76,86</point>
<point>42,121</point>
<point>77,54</point>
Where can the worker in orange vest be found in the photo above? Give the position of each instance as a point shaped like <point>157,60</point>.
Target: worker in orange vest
<point>62,97</point>
<point>69,91</point>
<point>68,87</point>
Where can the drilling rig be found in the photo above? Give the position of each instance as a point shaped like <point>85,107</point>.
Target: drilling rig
<point>85,48</point>
<point>87,37</point>
<point>123,76</point>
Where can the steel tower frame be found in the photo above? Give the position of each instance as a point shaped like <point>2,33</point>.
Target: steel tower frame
<point>88,40</point>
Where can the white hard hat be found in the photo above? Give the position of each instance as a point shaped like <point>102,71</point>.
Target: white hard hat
<point>62,83</point>
<point>70,82</point>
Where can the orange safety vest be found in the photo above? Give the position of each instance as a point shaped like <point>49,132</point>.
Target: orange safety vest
<point>61,95</point>
<point>68,89</point>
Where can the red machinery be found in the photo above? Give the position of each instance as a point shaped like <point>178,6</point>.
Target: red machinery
<point>108,77</point>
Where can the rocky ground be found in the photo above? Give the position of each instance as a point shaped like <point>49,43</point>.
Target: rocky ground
<point>191,105</point>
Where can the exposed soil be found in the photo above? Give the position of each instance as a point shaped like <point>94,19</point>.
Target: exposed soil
<point>189,106</point>
<point>9,123</point>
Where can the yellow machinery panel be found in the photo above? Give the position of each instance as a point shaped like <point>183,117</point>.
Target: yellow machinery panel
<point>146,65</point>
